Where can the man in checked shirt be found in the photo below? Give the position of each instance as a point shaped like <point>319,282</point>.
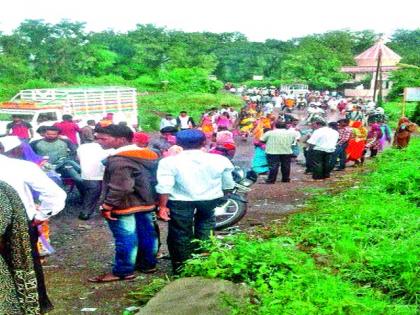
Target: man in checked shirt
<point>344,135</point>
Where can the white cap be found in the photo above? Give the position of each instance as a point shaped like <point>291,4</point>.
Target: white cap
<point>10,142</point>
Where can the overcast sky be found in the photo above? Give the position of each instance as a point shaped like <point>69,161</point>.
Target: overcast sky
<point>258,20</point>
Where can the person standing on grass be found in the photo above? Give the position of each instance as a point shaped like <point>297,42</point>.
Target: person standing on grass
<point>167,121</point>
<point>403,133</point>
<point>324,141</point>
<point>190,185</point>
<point>279,151</point>
<point>128,202</point>
<point>184,121</point>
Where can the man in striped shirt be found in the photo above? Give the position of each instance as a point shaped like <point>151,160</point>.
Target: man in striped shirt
<point>344,135</point>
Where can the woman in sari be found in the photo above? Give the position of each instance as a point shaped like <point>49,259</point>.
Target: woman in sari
<point>403,133</point>
<point>207,124</point>
<point>356,144</point>
<point>18,283</point>
<point>246,125</point>
<point>373,142</point>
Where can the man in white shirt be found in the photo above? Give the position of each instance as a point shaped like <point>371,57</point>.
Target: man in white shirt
<point>279,151</point>
<point>324,141</point>
<point>91,157</point>
<point>190,185</point>
<point>167,121</point>
<point>24,176</point>
<point>184,121</point>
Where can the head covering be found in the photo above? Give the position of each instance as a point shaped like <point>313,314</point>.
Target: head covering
<point>223,137</point>
<point>10,142</point>
<point>357,124</point>
<point>190,138</point>
<point>141,138</point>
<point>168,129</point>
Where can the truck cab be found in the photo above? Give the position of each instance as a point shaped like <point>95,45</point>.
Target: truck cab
<point>36,117</point>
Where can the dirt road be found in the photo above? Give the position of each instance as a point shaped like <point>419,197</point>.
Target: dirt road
<point>86,248</point>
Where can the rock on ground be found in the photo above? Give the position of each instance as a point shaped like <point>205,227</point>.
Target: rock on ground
<point>194,296</point>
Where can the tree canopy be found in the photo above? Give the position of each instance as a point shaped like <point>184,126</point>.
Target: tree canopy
<point>66,53</point>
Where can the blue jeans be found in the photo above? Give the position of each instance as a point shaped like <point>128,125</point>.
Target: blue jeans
<point>340,154</point>
<point>136,243</point>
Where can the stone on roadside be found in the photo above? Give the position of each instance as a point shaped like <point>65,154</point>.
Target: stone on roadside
<point>195,296</point>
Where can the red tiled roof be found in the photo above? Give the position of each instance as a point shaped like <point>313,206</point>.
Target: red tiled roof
<point>370,56</point>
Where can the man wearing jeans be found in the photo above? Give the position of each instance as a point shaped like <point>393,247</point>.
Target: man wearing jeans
<point>279,151</point>
<point>190,185</point>
<point>344,135</point>
<point>128,201</point>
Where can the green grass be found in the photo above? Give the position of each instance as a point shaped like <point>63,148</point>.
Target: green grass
<point>150,106</point>
<point>394,111</point>
<point>351,252</point>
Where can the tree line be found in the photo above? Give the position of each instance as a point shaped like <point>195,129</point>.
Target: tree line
<point>156,58</point>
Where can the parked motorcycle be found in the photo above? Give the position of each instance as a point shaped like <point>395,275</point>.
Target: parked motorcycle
<point>235,204</point>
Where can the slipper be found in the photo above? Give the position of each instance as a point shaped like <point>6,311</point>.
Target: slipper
<point>109,277</point>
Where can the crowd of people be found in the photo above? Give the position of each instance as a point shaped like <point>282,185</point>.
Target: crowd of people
<point>180,176</point>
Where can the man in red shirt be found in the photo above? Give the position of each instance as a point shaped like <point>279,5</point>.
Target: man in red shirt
<point>68,128</point>
<point>20,128</point>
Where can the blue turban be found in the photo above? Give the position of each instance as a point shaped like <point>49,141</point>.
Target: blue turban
<point>190,138</point>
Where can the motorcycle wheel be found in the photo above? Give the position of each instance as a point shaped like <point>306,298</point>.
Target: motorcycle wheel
<point>229,212</point>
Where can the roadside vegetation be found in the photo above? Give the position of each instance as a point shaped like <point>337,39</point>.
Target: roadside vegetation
<point>354,251</point>
<point>153,105</point>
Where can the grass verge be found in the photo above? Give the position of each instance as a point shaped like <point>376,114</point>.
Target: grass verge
<point>353,252</point>
<point>152,105</point>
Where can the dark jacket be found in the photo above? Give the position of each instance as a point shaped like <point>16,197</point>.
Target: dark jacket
<point>129,181</point>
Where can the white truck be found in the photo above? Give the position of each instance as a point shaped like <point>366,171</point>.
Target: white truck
<point>44,107</point>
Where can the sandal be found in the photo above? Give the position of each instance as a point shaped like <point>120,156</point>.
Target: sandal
<point>109,277</point>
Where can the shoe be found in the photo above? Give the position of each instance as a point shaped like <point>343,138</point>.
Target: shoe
<point>339,169</point>
<point>84,216</point>
<point>268,183</point>
<point>285,180</point>
<point>149,270</point>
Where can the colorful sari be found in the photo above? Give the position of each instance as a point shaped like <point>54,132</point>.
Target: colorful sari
<point>356,144</point>
<point>207,126</point>
<point>18,283</point>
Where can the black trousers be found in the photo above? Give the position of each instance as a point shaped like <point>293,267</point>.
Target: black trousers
<point>308,160</point>
<point>189,220</point>
<point>321,164</point>
<point>91,196</point>
<point>276,160</point>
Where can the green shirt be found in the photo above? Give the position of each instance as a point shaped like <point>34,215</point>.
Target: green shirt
<point>278,141</point>
<point>54,150</point>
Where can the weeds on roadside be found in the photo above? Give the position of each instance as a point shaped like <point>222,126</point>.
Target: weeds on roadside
<point>357,253</point>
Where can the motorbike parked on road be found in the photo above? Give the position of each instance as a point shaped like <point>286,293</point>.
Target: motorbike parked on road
<point>234,205</point>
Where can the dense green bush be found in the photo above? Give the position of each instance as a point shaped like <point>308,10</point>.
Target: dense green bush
<point>356,252</point>
<point>394,111</point>
<point>408,76</point>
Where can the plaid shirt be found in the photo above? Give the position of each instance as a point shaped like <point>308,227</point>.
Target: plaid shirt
<point>344,135</point>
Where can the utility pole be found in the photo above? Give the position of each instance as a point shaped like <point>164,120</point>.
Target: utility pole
<point>378,71</point>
